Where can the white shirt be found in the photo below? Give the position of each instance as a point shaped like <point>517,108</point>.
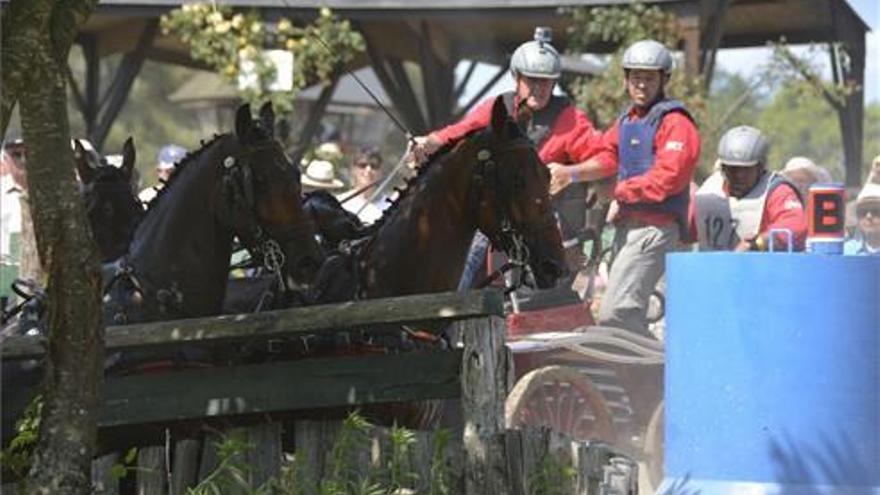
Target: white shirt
<point>367,212</point>
<point>10,214</point>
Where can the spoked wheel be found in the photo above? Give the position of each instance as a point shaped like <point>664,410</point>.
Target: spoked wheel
<point>654,440</point>
<point>560,398</point>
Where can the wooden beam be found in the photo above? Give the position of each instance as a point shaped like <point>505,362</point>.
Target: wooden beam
<point>481,93</point>
<point>849,31</point>
<point>93,82</point>
<point>279,387</point>
<point>456,94</point>
<point>714,11</point>
<point>449,307</point>
<point>119,89</point>
<point>313,121</point>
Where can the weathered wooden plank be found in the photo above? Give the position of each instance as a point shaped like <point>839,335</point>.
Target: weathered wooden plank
<point>151,471</point>
<point>186,465</point>
<point>279,386</point>
<point>484,387</point>
<point>285,323</point>
<point>103,481</point>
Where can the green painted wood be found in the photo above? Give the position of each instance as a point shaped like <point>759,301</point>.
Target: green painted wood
<point>279,387</point>
<point>451,306</point>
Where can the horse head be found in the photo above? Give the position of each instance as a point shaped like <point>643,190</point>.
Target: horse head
<point>263,197</point>
<point>112,208</point>
<point>514,208</point>
<point>333,222</point>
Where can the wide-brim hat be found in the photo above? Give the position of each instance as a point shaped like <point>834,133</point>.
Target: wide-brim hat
<point>803,165</point>
<point>321,174</point>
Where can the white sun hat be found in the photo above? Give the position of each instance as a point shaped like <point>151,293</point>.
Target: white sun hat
<point>802,164</point>
<point>321,174</point>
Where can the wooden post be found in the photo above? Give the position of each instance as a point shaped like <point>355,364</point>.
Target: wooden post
<point>151,471</point>
<point>484,387</point>
<point>186,465</point>
<point>103,482</point>
<point>264,455</point>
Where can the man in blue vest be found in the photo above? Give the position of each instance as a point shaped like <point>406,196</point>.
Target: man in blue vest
<point>653,149</point>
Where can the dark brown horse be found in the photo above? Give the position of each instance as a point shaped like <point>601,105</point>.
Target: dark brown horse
<point>490,180</point>
<point>236,185</point>
<point>111,205</point>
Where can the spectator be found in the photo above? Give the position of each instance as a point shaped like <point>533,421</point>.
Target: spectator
<point>803,173</point>
<point>366,173</point>
<point>867,238</point>
<point>739,204</point>
<point>653,149</point>
<point>169,156</point>
<point>320,175</point>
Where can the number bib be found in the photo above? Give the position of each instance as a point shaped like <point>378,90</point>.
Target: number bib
<point>722,221</point>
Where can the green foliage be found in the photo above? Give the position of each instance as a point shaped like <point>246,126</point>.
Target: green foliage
<point>232,474</point>
<point>343,476</point>
<point>16,457</point>
<point>224,39</point>
<point>604,98</point>
<point>552,478</point>
<point>801,74</point>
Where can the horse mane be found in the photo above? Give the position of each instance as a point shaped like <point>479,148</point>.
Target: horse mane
<point>412,182</point>
<point>187,159</point>
<point>422,170</point>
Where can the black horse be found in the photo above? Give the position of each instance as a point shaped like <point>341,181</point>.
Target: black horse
<point>112,208</point>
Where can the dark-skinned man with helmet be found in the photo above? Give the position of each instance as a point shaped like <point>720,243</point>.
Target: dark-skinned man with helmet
<point>562,133</point>
<point>739,204</point>
<point>653,150</point>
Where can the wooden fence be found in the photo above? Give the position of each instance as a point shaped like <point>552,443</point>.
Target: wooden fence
<point>484,458</point>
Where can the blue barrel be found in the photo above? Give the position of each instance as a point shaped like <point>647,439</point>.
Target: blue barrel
<point>772,374</point>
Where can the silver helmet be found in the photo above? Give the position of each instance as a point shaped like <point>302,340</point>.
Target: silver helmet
<point>743,146</point>
<point>537,58</point>
<point>649,55</point>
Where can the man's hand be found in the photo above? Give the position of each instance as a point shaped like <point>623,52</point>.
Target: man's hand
<point>743,246</point>
<point>424,147</point>
<point>560,177</point>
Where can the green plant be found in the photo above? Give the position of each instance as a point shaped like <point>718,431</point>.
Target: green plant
<point>16,457</point>
<point>232,473</point>
<point>440,483</point>
<point>553,477</point>
<point>226,39</point>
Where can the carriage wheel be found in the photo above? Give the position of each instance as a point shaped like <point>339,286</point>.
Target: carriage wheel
<point>654,440</point>
<point>562,399</point>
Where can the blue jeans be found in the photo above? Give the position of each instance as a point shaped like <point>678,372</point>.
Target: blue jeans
<point>475,265</point>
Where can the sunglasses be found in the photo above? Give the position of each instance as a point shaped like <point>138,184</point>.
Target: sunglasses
<point>874,210</point>
<point>373,165</point>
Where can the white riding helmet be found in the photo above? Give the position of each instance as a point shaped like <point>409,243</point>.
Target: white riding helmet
<point>648,55</point>
<point>743,146</point>
<point>537,58</point>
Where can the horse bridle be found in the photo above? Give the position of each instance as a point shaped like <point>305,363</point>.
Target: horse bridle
<point>239,195</point>
<point>509,237</point>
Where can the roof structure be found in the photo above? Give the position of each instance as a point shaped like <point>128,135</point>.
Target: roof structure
<point>437,35</point>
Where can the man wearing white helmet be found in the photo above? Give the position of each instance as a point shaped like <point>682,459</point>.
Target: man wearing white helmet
<point>738,205</point>
<point>562,134</point>
<point>169,156</point>
<point>867,239</point>
<point>652,149</point>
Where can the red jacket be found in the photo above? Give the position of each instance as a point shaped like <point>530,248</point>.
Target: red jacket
<point>572,139</point>
<point>676,153</point>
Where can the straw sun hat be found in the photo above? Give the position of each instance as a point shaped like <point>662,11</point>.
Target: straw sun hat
<point>321,174</point>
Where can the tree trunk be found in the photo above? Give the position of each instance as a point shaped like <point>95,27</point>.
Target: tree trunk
<point>37,35</point>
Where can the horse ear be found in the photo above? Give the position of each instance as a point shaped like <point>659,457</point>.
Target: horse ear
<point>81,158</point>
<point>267,118</point>
<point>128,157</point>
<point>499,117</point>
<point>243,122</point>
